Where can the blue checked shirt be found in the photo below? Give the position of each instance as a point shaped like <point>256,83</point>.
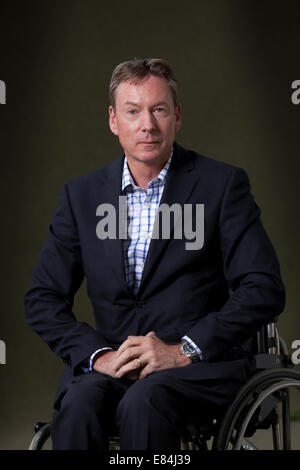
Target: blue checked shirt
<point>142,205</point>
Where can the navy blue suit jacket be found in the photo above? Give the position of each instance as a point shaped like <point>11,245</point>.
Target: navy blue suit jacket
<point>218,295</point>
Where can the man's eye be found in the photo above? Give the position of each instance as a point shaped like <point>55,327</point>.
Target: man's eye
<point>159,110</point>
<point>132,111</point>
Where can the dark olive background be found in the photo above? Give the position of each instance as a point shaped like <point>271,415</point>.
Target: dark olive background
<point>235,62</point>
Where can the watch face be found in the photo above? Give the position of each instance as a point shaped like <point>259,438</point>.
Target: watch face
<point>188,350</point>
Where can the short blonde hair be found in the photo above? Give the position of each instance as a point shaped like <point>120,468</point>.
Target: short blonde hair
<point>136,70</point>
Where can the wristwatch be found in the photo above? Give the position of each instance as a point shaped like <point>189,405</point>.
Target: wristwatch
<point>187,350</point>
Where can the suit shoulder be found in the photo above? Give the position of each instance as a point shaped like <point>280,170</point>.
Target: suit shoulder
<point>213,165</point>
<point>213,174</point>
<point>95,176</point>
<point>215,171</point>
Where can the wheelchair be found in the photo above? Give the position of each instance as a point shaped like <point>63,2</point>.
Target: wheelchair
<point>263,403</point>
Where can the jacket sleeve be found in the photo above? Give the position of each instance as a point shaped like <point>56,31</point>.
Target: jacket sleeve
<point>251,269</point>
<point>56,279</point>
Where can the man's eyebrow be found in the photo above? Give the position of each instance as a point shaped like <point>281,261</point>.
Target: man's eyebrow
<point>131,103</point>
<point>161,102</point>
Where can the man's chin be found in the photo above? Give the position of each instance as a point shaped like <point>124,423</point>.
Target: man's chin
<point>148,156</point>
<point>151,155</point>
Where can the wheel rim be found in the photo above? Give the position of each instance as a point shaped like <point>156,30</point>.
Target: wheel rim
<point>273,388</point>
<point>258,383</point>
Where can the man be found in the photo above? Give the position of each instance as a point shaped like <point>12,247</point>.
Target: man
<point>170,318</point>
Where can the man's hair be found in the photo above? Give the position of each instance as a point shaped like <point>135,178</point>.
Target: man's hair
<point>135,70</point>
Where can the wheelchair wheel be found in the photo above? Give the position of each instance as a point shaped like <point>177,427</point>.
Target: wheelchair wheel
<point>256,407</point>
<point>43,432</point>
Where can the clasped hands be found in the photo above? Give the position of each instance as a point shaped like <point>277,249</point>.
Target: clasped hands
<point>139,356</point>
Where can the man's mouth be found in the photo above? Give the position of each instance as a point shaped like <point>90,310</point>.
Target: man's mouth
<point>149,142</point>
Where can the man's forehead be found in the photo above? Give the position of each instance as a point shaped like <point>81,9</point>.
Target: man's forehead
<point>149,87</point>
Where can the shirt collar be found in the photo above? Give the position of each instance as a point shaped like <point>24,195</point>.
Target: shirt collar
<point>127,180</point>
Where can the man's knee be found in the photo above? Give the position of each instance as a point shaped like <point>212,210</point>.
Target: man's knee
<point>146,394</point>
<point>83,419</point>
<point>92,397</point>
<point>148,416</point>
<point>81,400</point>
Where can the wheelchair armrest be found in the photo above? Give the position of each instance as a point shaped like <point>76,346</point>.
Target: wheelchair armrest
<point>271,361</point>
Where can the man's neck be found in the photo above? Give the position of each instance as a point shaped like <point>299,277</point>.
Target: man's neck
<point>144,172</point>
<point>144,175</point>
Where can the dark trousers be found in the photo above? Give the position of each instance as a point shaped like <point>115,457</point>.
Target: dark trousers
<point>149,413</point>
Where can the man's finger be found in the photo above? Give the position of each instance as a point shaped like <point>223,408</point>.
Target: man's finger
<point>151,333</point>
<point>131,341</point>
<point>127,356</point>
<point>147,370</point>
<point>129,367</point>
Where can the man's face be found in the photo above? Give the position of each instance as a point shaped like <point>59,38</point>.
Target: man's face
<point>145,120</point>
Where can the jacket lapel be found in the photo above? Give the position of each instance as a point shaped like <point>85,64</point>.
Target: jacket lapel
<point>111,186</point>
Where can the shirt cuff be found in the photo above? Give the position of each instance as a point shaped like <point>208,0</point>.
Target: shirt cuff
<point>91,359</point>
<point>193,345</point>
<point>94,354</point>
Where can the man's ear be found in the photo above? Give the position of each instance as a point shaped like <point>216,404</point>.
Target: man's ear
<point>178,113</point>
<point>112,121</point>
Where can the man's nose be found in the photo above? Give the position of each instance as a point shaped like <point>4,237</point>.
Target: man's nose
<point>148,121</point>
